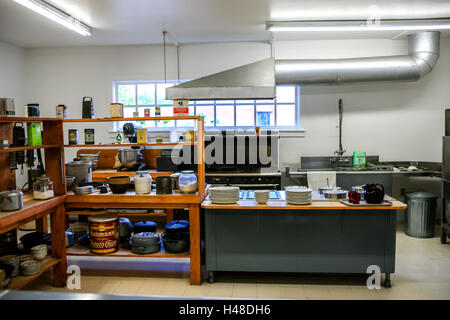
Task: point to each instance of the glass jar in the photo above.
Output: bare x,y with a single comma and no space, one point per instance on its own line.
187,182
142,182
43,189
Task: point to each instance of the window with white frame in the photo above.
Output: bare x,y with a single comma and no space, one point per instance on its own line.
283,112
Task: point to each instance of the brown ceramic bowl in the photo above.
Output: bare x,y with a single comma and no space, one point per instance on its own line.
119,184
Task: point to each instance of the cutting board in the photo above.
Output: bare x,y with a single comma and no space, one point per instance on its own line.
107,156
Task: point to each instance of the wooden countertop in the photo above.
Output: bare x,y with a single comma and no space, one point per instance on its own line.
315,205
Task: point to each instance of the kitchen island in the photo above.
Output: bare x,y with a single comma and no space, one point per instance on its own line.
322,237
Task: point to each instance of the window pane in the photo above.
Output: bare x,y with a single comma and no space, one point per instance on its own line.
127,94
187,123
146,93
269,101
208,113
286,115
265,115
224,116
245,116
286,94
224,102
246,101
161,93
128,112
210,102
166,112
147,124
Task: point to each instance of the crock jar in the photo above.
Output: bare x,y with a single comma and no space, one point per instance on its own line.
43,188
187,182
142,182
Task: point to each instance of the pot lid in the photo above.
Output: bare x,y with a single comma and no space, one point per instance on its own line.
4,194
145,224
79,163
421,195
102,218
177,224
145,238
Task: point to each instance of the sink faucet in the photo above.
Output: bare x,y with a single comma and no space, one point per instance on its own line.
341,151
339,158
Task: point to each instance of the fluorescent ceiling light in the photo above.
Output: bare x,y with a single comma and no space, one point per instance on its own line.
51,12
357,25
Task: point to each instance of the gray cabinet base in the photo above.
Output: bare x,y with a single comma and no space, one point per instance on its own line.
309,241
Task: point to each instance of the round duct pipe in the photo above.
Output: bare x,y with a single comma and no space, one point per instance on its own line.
423,54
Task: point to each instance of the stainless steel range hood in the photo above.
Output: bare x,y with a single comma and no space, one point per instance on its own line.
257,80
251,81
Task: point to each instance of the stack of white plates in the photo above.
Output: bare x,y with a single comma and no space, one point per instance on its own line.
298,195
224,195
13,261
30,267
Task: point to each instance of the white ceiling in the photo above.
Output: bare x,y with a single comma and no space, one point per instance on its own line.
125,22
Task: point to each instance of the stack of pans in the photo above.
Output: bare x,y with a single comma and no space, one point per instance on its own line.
83,190
224,195
335,194
30,267
176,236
13,261
298,195
145,243
321,190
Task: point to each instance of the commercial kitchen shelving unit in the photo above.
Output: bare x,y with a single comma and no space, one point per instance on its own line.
38,210
150,201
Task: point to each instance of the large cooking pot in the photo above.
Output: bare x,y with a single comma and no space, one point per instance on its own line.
90,157
81,170
129,157
11,200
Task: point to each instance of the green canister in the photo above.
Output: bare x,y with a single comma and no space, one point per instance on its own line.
359,159
89,136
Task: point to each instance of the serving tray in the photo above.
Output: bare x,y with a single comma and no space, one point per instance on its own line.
362,203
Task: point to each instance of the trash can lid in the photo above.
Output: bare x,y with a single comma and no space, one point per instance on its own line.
421,195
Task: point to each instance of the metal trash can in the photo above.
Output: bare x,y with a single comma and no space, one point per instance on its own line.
420,217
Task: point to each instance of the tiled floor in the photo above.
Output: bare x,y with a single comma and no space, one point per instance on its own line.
422,272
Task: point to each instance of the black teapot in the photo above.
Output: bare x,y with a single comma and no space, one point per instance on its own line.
373,193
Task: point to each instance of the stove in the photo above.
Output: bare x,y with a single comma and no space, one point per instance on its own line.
247,180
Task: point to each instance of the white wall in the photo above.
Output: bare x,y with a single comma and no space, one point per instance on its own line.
12,74
398,121
12,79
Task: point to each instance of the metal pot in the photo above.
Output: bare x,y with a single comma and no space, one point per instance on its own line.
90,157
129,157
81,170
176,242
11,200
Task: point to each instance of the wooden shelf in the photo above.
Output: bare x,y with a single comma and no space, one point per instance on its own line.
79,250
27,119
16,149
133,199
131,144
100,212
32,209
134,119
19,282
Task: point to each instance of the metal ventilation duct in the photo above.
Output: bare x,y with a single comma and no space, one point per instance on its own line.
423,54
257,80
